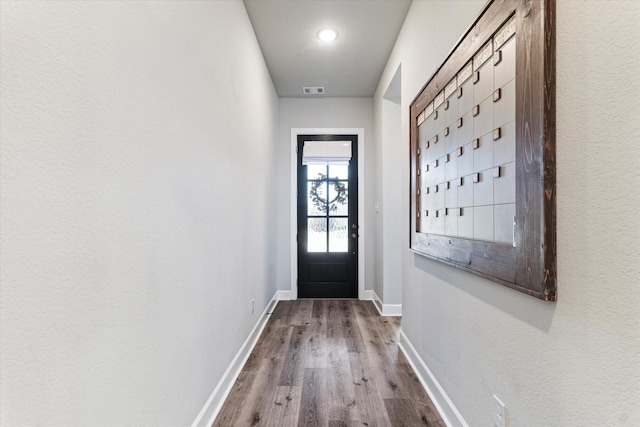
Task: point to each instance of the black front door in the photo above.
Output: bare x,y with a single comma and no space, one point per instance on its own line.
328,224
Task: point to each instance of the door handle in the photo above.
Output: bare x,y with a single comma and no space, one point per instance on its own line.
354,235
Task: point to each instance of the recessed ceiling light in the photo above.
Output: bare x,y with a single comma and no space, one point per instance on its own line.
327,35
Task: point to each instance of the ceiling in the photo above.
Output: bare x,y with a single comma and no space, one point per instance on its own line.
350,66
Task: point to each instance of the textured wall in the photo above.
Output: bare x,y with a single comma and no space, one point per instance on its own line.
320,113
137,171
575,362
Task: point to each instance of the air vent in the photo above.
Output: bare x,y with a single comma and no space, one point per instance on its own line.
313,90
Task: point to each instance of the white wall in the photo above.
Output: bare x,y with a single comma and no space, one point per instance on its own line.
321,113
137,174
391,245
575,362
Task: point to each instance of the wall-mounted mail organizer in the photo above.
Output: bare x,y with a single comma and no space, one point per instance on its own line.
483,151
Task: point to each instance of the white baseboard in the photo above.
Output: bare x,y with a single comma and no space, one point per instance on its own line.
444,405
383,309
372,296
392,309
285,295
210,411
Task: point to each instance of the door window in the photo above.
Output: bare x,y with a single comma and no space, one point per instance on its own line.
327,208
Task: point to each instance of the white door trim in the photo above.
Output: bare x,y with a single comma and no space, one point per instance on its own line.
294,204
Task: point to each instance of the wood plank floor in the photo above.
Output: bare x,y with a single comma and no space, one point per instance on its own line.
328,363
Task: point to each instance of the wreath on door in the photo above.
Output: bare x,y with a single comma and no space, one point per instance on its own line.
320,202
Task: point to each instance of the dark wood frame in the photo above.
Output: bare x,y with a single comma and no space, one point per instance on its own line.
530,266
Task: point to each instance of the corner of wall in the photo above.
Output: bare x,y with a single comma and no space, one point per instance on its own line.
447,410
383,309
212,407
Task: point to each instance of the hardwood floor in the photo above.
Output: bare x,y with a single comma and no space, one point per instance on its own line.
328,363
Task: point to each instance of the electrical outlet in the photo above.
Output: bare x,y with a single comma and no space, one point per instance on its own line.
252,306
499,413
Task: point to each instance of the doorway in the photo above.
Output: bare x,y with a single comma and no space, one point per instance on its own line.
327,216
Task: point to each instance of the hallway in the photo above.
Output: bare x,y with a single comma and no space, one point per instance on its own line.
148,221
328,363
